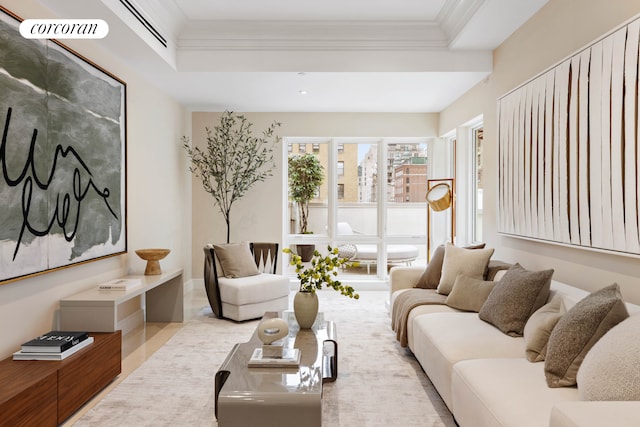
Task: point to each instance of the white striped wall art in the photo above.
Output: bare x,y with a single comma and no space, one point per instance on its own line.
569,149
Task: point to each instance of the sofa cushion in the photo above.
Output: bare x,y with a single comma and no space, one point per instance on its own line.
443,339
504,392
236,260
431,276
610,369
578,330
594,414
457,261
515,298
469,293
539,326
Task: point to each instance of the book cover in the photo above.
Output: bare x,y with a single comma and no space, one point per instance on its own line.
290,359
120,284
54,341
24,355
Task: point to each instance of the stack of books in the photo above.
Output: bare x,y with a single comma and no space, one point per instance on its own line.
54,345
120,284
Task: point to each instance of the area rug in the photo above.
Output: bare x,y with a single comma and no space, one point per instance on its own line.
379,383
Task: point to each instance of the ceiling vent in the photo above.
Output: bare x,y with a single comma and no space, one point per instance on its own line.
145,23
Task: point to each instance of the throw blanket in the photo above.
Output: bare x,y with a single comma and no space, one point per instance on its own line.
405,302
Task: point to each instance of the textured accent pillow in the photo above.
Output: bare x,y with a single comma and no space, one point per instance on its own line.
431,276
515,298
610,371
469,293
236,260
578,330
539,326
462,261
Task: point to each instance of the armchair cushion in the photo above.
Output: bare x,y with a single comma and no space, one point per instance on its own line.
236,260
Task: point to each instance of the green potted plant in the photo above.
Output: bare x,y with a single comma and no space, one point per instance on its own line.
233,160
306,175
321,273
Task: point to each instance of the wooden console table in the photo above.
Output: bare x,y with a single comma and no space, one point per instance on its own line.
45,393
158,299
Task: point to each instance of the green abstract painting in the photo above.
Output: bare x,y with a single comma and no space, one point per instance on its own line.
62,157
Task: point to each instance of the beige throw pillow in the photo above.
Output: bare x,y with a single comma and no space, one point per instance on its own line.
539,326
515,298
469,294
236,260
577,332
610,369
462,261
431,276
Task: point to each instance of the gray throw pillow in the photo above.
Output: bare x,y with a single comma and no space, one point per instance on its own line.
462,261
431,276
539,326
236,260
515,298
469,294
578,330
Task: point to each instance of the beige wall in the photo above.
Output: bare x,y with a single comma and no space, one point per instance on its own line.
559,29
158,202
258,216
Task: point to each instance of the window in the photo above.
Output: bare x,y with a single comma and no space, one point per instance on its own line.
478,183
302,148
367,198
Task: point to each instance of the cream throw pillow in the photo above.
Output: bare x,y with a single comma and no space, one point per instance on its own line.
610,369
539,326
431,276
461,261
578,330
236,260
469,294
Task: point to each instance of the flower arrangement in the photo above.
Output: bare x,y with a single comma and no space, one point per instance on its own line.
322,271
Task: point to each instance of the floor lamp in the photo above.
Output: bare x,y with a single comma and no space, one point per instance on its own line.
440,197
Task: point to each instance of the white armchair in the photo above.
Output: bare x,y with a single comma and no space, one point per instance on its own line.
236,295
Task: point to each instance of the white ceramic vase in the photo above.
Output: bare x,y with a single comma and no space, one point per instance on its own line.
305,308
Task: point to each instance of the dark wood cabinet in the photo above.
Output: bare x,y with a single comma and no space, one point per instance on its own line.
45,393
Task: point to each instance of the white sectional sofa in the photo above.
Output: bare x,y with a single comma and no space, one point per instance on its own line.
483,376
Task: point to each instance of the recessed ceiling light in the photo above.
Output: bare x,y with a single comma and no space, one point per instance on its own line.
302,92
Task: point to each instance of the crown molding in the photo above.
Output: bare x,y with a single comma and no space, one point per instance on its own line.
311,35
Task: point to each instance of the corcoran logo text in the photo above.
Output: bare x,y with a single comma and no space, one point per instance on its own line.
64,28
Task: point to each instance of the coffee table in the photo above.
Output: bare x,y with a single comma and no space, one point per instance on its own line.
278,396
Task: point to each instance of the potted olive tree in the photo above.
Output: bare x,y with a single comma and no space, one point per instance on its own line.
306,174
233,160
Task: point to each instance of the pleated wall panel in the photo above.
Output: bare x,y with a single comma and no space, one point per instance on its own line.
569,149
